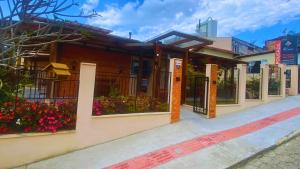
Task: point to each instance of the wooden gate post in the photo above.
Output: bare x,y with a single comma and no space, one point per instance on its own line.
176,80
212,73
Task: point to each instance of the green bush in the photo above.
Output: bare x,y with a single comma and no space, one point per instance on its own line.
124,105
252,88
274,86
12,84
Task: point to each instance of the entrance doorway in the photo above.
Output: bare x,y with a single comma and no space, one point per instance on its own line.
197,93
201,95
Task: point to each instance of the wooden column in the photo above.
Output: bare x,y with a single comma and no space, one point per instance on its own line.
184,72
212,73
156,70
139,76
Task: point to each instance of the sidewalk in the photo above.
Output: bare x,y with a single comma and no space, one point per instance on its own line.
191,143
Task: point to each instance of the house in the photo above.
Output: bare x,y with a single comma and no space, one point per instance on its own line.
267,57
134,68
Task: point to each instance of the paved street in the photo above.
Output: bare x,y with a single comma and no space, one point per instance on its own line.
286,156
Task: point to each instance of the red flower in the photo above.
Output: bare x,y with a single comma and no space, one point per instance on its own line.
4,130
34,106
36,116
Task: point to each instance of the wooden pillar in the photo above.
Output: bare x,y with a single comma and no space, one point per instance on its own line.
212,73
176,80
139,76
156,70
184,72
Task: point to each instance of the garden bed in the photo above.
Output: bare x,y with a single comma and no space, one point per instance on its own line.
125,105
27,116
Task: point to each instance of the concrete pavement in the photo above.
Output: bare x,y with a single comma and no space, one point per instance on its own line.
219,155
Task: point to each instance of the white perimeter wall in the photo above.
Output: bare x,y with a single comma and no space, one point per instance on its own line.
20,149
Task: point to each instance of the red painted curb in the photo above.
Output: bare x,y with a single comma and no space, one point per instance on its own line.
166,154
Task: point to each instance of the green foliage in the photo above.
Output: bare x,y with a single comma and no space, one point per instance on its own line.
274,86
191,72
114,92
13,84
252,88
131,104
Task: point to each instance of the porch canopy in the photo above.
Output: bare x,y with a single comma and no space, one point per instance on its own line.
180,40
175,40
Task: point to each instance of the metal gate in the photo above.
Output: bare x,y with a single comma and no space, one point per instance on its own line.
200,94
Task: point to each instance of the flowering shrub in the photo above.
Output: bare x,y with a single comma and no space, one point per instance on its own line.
124,105
97,108
25,116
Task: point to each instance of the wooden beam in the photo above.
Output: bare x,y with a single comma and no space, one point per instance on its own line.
174,48
194,46
138,44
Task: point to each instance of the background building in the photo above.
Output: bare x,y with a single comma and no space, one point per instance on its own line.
237,46
209,29
287,49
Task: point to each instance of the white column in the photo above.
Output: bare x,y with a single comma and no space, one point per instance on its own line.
264,80
282,80
242,83
293,90
85,98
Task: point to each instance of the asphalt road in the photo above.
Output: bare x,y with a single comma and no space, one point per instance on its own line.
286,156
